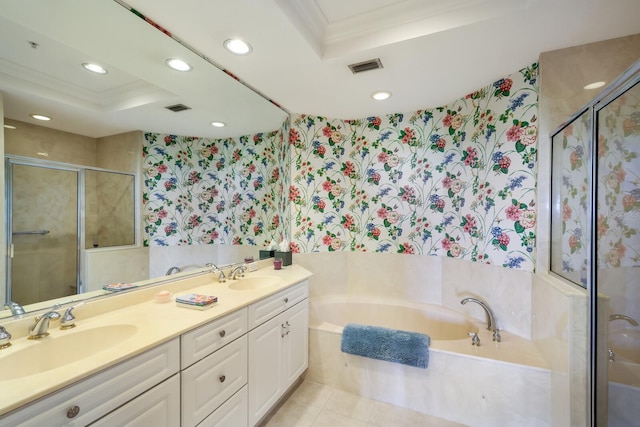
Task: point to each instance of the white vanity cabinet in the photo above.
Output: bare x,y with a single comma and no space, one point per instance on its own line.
278,348
90,399
228,372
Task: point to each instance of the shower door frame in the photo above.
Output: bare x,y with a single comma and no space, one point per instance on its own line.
10,161
629,79
621,84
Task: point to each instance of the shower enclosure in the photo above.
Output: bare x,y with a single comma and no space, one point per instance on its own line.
595,238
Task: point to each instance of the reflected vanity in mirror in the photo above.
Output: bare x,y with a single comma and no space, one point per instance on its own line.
101,126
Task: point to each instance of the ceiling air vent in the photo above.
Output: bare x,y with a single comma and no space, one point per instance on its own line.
177,108
360,67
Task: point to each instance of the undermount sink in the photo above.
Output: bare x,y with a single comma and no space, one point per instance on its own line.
62,349
253,282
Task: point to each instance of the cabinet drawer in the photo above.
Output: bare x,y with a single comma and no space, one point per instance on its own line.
209,382
102,393
269,307
206,339
158,407
232,413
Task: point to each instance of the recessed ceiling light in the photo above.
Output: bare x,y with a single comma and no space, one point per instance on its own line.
9,127
218,124
94,68
381,95
237,46
178,64
594,85
40,117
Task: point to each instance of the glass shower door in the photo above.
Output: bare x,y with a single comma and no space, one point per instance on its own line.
43,228
618,258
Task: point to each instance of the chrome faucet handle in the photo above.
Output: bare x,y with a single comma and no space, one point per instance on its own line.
496,335
612,356
5,338
475,340
68,319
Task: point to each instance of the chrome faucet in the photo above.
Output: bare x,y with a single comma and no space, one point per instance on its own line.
238,271
631,320
491,317
172,270
39,330
16,309
221,278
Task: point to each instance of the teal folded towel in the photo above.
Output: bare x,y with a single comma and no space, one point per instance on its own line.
391,345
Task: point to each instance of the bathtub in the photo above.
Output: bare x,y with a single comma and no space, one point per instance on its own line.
506,383
624,377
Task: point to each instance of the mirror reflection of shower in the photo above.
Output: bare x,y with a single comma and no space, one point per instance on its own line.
54,212
43,239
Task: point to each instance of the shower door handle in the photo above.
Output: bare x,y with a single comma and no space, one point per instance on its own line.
24,233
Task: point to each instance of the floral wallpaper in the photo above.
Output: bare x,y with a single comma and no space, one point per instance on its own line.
618,224
215,191
456,181
570,162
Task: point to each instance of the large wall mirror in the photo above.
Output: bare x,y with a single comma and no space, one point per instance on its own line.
100,123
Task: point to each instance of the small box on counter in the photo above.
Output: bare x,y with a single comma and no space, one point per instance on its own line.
266,254
286,257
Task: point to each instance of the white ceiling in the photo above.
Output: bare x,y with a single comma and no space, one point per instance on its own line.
433,51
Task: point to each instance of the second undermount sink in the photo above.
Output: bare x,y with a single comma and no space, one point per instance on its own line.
253,282
62,349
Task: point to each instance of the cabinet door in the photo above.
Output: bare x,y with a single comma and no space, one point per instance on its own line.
296,342
265,367
158,407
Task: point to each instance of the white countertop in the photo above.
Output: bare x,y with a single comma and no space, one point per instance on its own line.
156,322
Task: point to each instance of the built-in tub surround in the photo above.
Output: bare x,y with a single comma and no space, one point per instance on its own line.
155,323
505,383
426,279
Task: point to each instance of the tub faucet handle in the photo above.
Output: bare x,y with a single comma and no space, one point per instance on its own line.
475,340
496,335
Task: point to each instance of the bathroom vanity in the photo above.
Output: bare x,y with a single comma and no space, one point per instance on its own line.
224,366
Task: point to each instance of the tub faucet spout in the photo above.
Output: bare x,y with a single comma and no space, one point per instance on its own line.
629,319
172,270
491,317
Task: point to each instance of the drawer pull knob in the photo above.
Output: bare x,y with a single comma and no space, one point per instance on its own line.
73,411
286,300
223,333
222,378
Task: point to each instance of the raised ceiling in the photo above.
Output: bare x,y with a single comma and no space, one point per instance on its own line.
433,51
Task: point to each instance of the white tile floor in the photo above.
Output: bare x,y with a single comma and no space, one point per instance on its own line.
316,405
